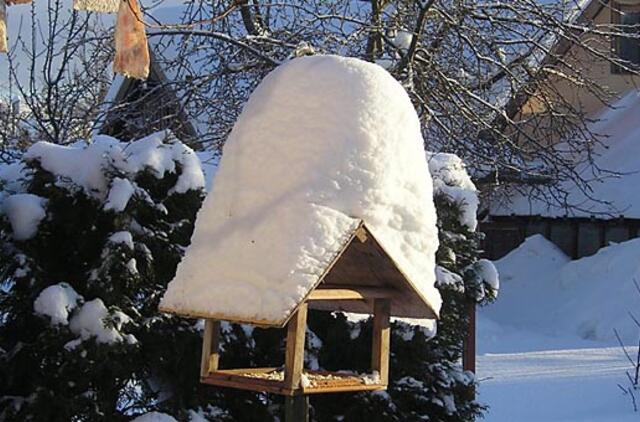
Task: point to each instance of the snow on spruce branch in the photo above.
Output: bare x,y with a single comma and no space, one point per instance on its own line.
84,166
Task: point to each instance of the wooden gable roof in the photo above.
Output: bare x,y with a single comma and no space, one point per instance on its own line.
360,272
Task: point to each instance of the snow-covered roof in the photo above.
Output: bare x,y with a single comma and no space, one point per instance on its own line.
324,144
611,190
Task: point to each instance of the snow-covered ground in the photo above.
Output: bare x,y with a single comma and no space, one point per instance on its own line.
546,348
573,385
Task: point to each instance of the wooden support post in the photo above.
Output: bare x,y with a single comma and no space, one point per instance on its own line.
381,339
296,408
469,346
294,358
210,347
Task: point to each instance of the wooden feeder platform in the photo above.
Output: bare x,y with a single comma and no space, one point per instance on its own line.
293,379
271,380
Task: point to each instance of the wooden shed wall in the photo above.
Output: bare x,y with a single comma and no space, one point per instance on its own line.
577,237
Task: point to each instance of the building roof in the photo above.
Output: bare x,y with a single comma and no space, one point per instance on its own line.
613,180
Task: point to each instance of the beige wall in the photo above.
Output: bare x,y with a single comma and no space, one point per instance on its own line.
599,71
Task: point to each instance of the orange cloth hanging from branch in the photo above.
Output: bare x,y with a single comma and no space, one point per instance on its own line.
132,51
3,26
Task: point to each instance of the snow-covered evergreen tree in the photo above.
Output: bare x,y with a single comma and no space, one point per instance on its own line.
91,234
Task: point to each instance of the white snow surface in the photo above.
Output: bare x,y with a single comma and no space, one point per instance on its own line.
402,39
563,384
119,194
83,163
450,178
89,321
57,301
303,165
154,417
548,339
122,237
610,193
25,211
488,272
590,297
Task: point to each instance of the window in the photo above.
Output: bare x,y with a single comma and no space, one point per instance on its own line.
627,49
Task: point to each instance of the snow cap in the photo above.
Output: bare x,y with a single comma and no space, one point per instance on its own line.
324,144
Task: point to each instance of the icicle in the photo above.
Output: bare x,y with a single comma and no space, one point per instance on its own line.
3,26
132,52
101,6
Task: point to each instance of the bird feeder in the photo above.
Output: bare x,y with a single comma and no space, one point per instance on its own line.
362,278
322,200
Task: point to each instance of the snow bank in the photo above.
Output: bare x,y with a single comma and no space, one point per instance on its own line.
25,211
544,292
304,163
83,164
56,302
450,178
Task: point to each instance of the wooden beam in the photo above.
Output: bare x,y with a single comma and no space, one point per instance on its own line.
294,357
361,234
469,346
210,347
335,292
296,409
381,339
231,379
250,379
343,388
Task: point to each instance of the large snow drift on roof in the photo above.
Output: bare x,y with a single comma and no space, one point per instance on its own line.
323,142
